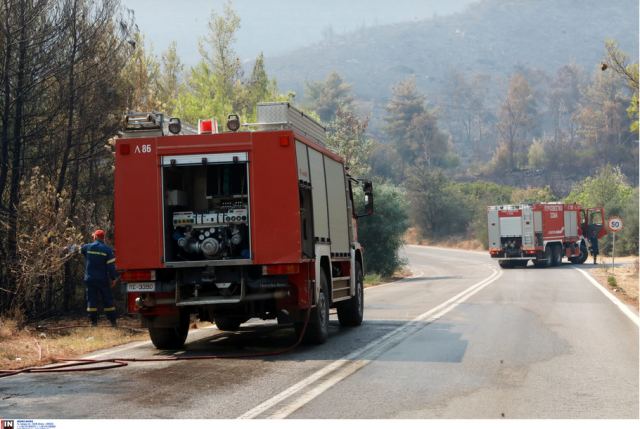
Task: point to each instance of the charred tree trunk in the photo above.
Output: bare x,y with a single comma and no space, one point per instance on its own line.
6,89
16,155
71,105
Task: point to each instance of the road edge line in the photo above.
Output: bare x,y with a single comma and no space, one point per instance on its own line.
621,305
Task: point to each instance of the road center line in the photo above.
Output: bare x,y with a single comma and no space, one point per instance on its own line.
362,356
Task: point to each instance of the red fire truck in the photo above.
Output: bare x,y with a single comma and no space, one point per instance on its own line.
544,233
237,225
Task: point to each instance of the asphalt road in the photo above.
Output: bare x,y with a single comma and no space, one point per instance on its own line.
461,339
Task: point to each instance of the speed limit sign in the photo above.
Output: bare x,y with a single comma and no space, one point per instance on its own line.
615,224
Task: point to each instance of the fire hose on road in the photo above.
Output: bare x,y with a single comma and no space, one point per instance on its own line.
85,365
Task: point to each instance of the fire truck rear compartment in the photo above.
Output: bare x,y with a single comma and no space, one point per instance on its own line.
512,246
206,211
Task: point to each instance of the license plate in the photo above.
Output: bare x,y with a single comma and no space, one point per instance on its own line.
141,287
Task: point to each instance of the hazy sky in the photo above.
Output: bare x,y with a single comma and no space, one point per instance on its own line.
274,26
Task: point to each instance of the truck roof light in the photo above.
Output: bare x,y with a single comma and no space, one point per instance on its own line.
284,141
207,126
175,126
233,122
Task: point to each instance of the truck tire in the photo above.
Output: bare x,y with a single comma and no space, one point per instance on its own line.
505,263
317,330
584,254
546,261
556,255
170,338
350,312
227,323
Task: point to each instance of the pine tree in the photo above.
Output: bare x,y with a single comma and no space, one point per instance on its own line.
170,76
326,97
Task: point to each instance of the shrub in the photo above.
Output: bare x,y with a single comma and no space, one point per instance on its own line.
44,230
381,234
608,188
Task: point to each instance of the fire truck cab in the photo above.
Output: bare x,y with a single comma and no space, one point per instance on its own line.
237,225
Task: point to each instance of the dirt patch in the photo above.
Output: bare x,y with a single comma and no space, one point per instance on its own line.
69,337
413,236
623,280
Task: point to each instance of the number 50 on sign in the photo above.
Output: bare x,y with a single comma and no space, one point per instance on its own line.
615,224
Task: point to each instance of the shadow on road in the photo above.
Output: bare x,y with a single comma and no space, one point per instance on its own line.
434,342
565,265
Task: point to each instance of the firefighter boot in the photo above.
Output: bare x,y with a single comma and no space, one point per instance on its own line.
111,315
93,317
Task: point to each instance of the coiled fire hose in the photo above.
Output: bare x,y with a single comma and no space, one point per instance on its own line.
78,365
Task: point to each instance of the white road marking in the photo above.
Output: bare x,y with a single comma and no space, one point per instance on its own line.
622,306
134,345
361,357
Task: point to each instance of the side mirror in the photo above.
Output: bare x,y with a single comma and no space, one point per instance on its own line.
367,188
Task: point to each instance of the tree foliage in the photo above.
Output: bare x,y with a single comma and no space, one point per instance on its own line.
619,63
610,189
347,136
215,87
328,97
62,93
413,131
45,228
381,234
516,120
437,206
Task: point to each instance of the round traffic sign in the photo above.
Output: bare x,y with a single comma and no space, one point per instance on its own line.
615,223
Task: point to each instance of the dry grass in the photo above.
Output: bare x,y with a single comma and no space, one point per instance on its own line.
413,236
377,279
623,280
67,338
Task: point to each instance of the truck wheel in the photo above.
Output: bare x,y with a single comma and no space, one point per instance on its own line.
547,259
227,323
317,330
170,338
556,255
505,264
350,312
584,254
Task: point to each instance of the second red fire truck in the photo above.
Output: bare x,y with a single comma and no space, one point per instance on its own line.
544,233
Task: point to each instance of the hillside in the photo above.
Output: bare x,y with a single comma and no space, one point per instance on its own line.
490,37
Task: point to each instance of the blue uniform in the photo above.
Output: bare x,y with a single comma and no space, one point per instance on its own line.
99,271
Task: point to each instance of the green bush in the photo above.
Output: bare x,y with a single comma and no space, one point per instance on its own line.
438,208
381,234
477,196
608,188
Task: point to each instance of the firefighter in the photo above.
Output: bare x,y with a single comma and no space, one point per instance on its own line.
595,248
99,277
